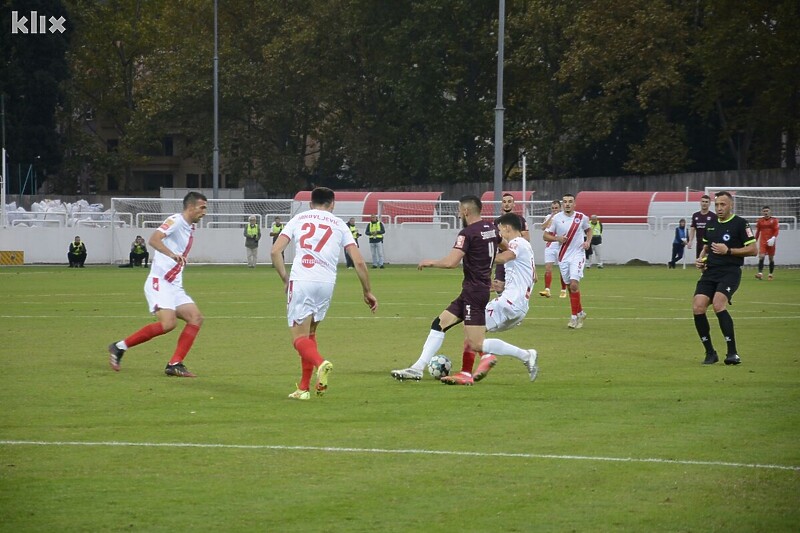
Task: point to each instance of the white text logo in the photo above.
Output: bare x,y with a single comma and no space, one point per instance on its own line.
38,23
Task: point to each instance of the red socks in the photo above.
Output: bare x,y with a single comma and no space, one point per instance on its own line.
467,359
575,302
185,342
548,279
305,379
307,349
145,334
563,285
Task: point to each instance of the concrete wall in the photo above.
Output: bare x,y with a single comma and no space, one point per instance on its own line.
404,245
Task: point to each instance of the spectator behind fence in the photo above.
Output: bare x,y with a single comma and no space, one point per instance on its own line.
139,253
596,243
77,253
252,234
275,230
375,231
678,243
351,224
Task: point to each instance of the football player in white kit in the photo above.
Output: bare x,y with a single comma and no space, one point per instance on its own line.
163,288
509,309
318,237
551,254
571,229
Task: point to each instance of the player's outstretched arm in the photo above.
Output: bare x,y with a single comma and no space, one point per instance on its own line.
451,260
504,257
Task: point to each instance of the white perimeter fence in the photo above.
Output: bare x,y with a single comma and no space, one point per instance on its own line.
414,230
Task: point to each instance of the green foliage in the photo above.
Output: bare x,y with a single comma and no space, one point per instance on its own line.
573,445
358,93
747,57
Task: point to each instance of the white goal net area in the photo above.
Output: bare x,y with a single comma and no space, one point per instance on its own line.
227,213
444,213
151,212
784,202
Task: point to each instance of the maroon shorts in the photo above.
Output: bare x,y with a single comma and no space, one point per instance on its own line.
470,307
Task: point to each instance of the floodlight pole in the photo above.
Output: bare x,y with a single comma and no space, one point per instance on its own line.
498,111
216,107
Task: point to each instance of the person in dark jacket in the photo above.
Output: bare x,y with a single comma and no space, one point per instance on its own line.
77,253
679,243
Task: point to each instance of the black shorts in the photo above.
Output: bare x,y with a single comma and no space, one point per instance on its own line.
470,307
719,279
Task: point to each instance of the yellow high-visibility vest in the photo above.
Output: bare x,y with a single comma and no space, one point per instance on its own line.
374,228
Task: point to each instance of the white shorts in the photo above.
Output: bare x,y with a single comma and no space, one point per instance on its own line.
308,298
572,268
501,314
551,254
161,294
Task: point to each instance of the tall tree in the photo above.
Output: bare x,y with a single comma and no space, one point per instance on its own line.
625,74
109,59
747,54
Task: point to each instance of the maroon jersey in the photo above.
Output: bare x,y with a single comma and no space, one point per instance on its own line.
479,242
699,223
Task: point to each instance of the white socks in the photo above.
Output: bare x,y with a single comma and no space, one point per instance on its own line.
498,347
429,349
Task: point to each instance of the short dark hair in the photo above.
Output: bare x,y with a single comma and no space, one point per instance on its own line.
510,219
568,194
554,202
724,193
192,198
705,197
322,196
508,194
472,199
766,207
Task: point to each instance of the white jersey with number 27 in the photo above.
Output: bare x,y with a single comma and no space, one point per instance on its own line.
318,239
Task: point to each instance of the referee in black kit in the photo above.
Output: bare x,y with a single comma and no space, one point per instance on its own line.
727,241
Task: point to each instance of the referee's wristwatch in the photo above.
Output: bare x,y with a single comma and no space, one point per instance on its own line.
729,252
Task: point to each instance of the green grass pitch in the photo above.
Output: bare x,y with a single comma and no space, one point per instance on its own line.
624,430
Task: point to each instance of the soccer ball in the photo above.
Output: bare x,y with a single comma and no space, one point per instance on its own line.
439,366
